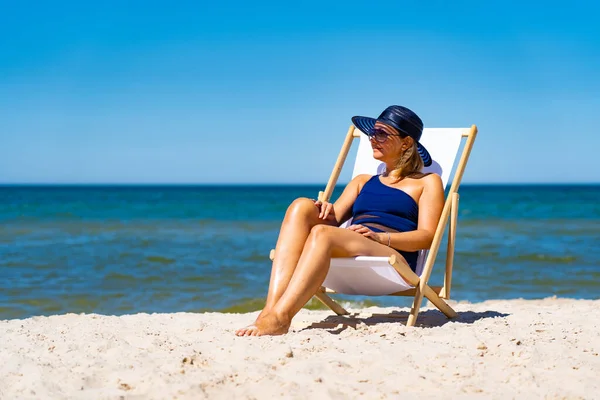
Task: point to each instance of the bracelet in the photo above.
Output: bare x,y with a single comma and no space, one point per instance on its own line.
389,239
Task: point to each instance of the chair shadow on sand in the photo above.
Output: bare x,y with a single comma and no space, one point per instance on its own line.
427,319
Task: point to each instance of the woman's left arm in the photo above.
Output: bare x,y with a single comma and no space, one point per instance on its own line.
431,204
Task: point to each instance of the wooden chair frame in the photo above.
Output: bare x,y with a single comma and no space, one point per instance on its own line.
435,294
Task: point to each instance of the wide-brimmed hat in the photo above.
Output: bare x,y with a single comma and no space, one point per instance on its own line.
400,118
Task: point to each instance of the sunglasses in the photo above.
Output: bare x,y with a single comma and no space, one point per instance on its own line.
380,136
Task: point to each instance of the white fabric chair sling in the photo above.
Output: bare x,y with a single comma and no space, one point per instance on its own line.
378,276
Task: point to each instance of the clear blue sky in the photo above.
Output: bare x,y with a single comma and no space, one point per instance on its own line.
254,92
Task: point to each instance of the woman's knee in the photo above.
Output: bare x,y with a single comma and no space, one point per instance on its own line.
302,207
321,235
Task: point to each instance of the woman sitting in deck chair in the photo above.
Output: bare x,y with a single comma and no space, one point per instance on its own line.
395,213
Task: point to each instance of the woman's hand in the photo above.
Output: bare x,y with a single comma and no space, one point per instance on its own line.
366,232
326,210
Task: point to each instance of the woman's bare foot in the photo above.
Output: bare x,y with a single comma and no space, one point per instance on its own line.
272,324
252,330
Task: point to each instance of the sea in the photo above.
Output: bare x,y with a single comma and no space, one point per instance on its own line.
164,249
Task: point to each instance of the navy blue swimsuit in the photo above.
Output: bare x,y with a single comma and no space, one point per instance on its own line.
383,208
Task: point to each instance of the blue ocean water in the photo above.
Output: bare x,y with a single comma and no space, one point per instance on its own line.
125,249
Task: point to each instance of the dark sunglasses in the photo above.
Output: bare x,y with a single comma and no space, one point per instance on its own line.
380,136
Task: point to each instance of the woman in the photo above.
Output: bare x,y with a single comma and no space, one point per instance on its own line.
393,213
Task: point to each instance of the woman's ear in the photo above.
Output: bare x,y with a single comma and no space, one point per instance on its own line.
405,144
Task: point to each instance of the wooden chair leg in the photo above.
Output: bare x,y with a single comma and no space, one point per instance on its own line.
329,302
434,298
414,311
439,302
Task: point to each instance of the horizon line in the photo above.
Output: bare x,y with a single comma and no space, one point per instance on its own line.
98,184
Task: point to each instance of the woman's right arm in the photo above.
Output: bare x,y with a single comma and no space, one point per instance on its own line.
343,206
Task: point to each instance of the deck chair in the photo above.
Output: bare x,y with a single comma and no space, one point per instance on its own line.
385,276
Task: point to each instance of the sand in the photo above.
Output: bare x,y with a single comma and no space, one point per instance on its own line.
496,349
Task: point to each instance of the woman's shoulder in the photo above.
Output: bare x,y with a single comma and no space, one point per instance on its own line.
360,180
363,178
427,182
432,181
431,177
428,178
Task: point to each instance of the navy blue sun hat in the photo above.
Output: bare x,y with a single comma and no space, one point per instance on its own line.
400,118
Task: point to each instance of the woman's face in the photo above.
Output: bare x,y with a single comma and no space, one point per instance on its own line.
387,144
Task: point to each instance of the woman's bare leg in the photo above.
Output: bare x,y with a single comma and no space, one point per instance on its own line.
323,243
301,216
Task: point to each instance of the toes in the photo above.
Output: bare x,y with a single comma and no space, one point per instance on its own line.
247,331
241,331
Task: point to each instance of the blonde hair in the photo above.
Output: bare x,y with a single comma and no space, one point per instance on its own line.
409,163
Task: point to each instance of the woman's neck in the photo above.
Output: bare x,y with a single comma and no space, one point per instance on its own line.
388,169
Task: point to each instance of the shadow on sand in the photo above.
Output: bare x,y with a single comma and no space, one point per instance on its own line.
426,319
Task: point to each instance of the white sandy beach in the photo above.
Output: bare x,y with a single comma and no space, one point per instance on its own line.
497,349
